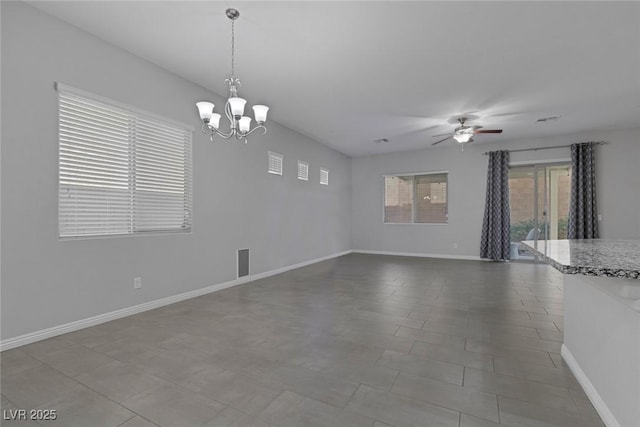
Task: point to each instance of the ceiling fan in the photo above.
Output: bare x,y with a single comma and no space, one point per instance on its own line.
464,133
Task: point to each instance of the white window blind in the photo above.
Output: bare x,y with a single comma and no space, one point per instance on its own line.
275,163
120,171
324,176
303,170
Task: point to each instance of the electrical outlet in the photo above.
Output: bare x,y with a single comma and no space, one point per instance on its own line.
137,283
455,246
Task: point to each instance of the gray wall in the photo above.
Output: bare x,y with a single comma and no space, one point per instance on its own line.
237,204
618,195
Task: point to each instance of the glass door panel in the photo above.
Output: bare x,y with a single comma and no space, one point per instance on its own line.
539,200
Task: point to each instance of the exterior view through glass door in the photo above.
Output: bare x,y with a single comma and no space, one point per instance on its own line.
539,199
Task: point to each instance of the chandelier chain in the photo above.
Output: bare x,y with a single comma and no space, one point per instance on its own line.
233,49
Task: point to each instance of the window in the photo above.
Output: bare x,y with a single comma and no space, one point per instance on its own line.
417,198
275,163
121,172
303,170
324,176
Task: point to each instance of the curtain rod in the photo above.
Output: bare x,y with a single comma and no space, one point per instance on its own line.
486,153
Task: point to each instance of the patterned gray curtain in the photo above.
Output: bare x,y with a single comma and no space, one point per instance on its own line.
495,242
583,212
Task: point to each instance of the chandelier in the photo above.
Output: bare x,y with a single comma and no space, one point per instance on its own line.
239,124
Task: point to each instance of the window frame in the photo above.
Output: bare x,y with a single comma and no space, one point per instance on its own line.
146,117
413,204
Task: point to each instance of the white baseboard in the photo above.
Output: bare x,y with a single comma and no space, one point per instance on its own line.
598,403
421,255
128,311
298,265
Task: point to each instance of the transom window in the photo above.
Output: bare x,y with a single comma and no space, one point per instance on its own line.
303,170
324,176
275,163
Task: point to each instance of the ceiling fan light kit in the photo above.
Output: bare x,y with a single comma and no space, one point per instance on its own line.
463,137
464,134
239,124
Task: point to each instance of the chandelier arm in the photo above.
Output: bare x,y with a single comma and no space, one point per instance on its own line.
222,134
264,130
228,113
208,129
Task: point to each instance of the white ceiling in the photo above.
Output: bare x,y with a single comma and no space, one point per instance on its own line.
347,73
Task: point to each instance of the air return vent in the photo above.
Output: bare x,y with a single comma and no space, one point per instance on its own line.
243,262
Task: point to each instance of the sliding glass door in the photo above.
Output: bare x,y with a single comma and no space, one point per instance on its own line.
539,199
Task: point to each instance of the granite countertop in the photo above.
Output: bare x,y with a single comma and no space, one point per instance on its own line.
591,257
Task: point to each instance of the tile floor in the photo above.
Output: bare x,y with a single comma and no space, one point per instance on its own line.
361,340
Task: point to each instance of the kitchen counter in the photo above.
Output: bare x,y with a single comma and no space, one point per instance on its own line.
591,257
601,320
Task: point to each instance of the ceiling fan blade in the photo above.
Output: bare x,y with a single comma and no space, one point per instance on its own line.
488,131
444,139
441,134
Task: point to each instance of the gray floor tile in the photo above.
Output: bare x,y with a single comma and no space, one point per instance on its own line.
324,333
389,342
585,407
518,413
559,377
454,355
5,403
15,361
12,416
316,385
454,397
549,335
237,390
230,417
33,387
138,421
83,406
526,343
432,316
46,347
522,389
511,353
421,366
170,405
400,411
119,381
393,320
376,376
292,409
75,359
467,420
431,337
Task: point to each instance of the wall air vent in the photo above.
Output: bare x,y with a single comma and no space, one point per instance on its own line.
243,262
